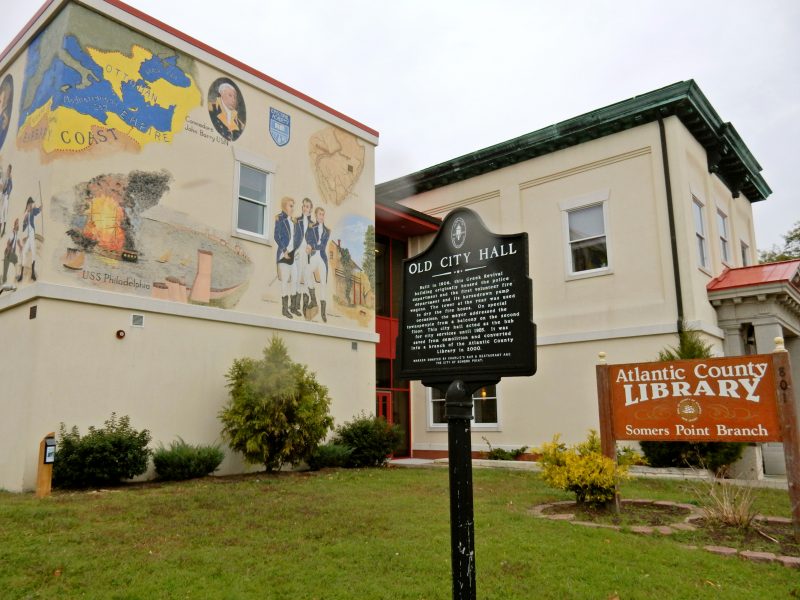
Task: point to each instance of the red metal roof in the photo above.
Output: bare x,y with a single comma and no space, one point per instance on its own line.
206,48
781,272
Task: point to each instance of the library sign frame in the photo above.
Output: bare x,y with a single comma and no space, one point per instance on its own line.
732,399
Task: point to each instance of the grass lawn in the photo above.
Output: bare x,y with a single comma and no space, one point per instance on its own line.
360,534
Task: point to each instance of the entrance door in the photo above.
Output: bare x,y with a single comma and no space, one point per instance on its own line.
383,405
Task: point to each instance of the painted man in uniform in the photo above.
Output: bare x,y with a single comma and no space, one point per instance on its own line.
10,258
287,241
29,238
300,267
317,239
224,112
6,192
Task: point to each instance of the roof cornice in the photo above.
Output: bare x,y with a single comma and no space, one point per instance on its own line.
728,156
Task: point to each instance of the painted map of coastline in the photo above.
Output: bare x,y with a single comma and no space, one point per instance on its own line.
80,98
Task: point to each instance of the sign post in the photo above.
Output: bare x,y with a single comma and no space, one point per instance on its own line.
44,471
465,323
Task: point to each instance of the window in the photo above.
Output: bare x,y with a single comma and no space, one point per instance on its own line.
700,233
745,253
484,408
722,227
251,213
587,239
253,179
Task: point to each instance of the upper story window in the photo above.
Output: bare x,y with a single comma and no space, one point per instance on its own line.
585,224
252,186
722,229
745,249
484,408
700,233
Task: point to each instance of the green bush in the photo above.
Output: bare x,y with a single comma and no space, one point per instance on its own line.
185,461
371,438
501,453
277,412
715,456
329,455
582,469
103,457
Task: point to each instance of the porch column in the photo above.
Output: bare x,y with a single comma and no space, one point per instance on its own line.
733,345
765,334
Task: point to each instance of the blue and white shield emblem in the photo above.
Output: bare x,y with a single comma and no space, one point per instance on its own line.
279,126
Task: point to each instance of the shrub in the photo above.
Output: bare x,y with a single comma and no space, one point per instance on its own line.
185,461
716,456
626,455
371,438
726,503
581,469
329,455
502,454
103,457
277,412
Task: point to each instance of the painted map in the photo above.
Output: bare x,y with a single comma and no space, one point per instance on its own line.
81,98
337,160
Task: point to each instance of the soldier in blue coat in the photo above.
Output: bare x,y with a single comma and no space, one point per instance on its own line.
317,238
287,240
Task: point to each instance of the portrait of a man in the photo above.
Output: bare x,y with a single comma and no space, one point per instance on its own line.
226,108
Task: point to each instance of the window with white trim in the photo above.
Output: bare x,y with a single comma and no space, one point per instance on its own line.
252,202
722,229
484,408
745,250
700,233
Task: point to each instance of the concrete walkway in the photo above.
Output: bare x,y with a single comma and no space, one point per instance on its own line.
772,482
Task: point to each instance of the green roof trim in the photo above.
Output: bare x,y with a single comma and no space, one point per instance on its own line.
728,156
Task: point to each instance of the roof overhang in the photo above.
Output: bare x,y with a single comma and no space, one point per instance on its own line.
402,222
728,156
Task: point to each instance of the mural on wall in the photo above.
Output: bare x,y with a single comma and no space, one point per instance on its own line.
6,102
226,108
318,266
79,98
24,238
337,160
120,238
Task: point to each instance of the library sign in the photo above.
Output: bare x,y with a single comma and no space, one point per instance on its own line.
467,305
716,399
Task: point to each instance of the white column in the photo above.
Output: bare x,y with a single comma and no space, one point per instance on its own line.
765,336
732,344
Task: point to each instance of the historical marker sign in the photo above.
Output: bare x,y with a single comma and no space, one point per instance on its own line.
467,305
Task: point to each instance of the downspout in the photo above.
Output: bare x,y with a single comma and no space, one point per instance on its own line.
676,272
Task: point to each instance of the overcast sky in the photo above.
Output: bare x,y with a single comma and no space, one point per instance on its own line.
439,79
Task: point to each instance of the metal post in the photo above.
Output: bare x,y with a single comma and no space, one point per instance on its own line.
458,411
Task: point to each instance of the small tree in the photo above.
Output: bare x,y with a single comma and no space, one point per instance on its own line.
789,250
712,455
277,412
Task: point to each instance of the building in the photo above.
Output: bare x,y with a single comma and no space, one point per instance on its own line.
146,178
638,214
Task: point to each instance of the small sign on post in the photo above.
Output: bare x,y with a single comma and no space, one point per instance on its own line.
44,473
466,321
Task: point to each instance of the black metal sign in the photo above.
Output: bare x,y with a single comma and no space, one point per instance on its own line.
467,306
465,323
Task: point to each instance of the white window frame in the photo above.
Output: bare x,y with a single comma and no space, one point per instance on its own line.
744,251
474,426
724,236
701,237
569,205
269,168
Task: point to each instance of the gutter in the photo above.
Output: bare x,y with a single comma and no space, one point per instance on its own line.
673,240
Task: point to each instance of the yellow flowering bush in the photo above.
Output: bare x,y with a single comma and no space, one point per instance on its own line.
581,469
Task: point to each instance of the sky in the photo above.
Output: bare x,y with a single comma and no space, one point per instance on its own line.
439,79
